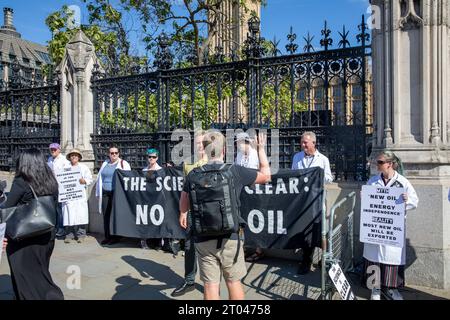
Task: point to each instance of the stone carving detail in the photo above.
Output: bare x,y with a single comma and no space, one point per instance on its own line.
80,50
410,19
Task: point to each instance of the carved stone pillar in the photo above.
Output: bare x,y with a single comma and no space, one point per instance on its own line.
411,76
76,96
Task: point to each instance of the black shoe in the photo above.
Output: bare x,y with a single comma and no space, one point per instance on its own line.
60,233
184,288
114,241
105,242
167,248
304,268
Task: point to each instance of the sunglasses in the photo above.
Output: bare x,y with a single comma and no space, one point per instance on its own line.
381,162
152,157
53,150
112,153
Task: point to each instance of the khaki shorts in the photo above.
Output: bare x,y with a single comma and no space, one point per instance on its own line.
213,262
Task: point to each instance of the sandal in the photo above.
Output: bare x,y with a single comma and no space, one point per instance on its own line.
255,257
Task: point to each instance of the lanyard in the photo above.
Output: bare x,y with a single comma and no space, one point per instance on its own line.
310,163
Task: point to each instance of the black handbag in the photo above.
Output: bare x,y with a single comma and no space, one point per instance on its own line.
31,219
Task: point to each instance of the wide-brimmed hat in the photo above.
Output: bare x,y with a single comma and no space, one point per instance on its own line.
74,151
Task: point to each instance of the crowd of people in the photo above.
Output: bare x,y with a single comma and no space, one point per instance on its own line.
212,254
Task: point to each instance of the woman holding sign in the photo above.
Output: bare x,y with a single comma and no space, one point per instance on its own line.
387,261
76,212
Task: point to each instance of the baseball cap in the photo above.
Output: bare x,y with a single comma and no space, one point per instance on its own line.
243,136
54,146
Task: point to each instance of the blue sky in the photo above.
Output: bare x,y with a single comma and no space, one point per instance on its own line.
276,18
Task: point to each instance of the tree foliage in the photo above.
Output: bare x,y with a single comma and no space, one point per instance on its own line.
105,30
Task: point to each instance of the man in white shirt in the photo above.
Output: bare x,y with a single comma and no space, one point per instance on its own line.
310,157
57,162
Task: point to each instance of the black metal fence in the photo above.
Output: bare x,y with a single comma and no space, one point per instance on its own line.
29,117
324,92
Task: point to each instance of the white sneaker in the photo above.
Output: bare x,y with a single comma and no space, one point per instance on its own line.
376,294
392,294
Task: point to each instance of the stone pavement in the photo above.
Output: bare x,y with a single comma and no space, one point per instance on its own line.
126,272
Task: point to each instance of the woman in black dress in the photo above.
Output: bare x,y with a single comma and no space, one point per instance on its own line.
29,259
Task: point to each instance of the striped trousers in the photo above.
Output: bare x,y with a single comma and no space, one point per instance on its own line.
390,276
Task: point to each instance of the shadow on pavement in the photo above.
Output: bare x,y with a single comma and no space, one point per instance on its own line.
279,281
130,288
163,275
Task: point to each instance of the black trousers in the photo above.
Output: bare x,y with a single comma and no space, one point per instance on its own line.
107,202
74,230
29,263
311,241
190,255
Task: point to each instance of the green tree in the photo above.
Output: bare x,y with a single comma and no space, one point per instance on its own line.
105,31
189,20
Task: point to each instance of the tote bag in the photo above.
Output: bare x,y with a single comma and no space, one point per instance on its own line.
31,219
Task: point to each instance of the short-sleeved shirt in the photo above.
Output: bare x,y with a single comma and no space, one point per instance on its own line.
107,176
189,167
242,177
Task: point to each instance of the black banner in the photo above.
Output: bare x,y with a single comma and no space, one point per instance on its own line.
145,204
281,214
285,212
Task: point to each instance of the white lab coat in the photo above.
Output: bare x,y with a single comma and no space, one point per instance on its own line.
157,167
383,253
122,165
58,164
318,160
76,212
250,161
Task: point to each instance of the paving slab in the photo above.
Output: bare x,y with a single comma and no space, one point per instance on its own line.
126,272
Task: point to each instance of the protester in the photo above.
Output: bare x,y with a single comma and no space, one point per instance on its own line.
76,212
220,255
153,166
310,157
57,162
190,254
247,156
29,258
105,190
390,260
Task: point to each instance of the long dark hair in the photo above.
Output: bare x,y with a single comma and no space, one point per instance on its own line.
32,167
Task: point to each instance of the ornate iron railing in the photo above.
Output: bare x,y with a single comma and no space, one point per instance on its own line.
324,91
28,118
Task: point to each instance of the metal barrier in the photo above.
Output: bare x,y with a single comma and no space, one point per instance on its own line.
337,243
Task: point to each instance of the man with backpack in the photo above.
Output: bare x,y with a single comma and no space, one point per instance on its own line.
211,192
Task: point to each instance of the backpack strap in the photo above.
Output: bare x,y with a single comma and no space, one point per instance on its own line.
224,165
228,188
238,248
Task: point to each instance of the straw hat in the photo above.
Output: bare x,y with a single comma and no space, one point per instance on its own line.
74,151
